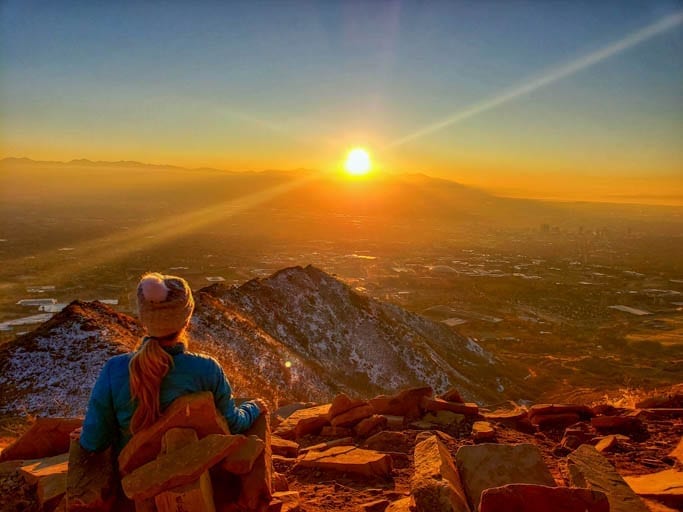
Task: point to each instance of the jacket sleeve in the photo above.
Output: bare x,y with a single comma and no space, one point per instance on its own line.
239,418
100,427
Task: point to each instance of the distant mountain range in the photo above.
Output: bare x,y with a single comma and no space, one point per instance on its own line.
299,334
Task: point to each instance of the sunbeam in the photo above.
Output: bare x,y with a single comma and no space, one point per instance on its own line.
105,250
548,78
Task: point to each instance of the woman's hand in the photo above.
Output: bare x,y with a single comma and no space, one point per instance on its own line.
261,404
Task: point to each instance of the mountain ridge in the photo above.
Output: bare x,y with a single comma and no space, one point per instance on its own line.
299,334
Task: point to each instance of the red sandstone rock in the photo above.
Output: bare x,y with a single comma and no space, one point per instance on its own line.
349,459
436,404
181,467
279,482
587,468
483,431
329,431
284,447
371,425
388,441
484,466
353,416
49,475
45,438
343,403
436,485
508,414
91,480
346,441
664,486
196,411
303,422
617,424
554,420
452,395
242,460
540,498
405,403
583,411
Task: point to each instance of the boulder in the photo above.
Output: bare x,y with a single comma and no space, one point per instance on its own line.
395,422
349,459
279,482
608,443
181,467
583,411
588,468
353,416
388,441
321,447
196,411
49,477
195,496
405,403
664,486
443,418
452,395
343,403
303,422
290,500
484,466
541,498
436,404
241,461
554,420
329,431
668,401
92,481
483,431
617,424
508,414
46,437
435,485
370,425
284,447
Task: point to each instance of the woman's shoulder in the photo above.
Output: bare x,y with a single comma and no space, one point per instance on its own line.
200,360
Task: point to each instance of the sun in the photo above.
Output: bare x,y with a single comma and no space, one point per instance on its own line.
358,162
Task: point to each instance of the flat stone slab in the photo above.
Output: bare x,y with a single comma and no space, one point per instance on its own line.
303,421
436,485
489,465
181,467
540,498
436,404
196,411
284,447
349,459
664,486
588,468
49,475
353,416
483,431
406,403
46,437
343,403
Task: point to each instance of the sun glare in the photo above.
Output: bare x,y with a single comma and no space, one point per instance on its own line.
357,162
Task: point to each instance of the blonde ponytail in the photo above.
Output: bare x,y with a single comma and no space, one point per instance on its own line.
147,369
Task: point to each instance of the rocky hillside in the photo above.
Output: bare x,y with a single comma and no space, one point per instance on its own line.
51,370
299,334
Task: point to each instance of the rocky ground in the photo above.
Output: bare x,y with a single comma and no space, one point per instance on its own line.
393,454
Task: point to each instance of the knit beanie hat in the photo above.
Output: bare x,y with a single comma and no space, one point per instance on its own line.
165,303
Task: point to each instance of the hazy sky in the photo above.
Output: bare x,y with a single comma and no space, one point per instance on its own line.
561,95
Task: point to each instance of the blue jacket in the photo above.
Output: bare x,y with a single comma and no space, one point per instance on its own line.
111,407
